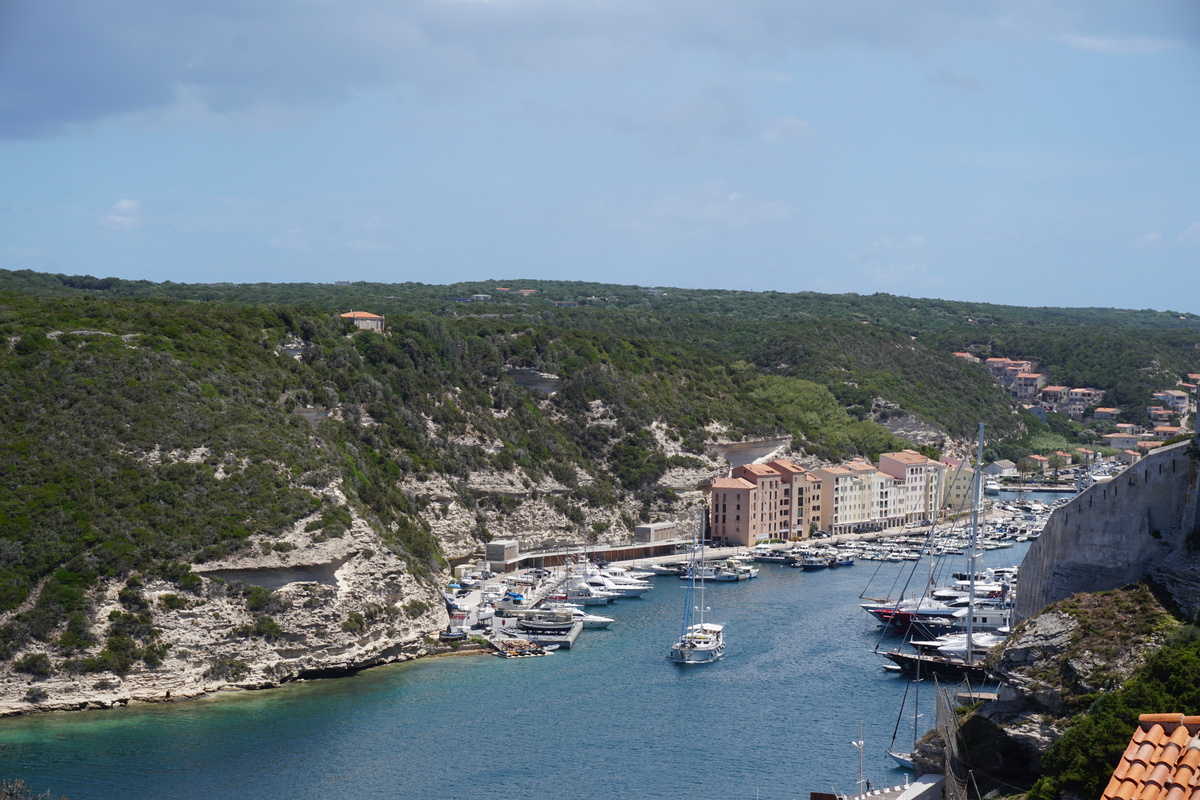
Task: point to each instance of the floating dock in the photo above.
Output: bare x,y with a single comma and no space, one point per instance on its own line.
563,640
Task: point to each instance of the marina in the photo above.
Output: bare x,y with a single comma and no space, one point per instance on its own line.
798,678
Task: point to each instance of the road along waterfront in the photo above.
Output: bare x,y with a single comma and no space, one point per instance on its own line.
774,718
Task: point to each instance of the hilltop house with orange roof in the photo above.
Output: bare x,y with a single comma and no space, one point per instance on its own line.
1120,441
1054,394
1041,461
365,321
968,357
1106,413
1027,384
1177,400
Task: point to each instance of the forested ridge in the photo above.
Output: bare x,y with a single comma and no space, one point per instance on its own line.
149,427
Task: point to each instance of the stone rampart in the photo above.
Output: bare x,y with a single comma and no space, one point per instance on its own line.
1144,522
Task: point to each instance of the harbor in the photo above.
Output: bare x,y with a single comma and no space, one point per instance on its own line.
773,718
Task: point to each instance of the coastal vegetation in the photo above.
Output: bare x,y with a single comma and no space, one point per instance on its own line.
151,430
1081,762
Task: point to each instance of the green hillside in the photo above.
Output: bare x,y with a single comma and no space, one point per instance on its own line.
148,426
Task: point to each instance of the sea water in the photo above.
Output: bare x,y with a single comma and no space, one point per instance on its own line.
777,717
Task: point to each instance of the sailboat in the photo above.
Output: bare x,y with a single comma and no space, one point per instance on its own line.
699,642
902,757
948,666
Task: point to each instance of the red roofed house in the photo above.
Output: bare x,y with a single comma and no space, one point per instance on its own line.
1121,441
1175,399
1159,414
1106,413
1164,432
968,357
364,321
1162,761
1041,461
1028,384
1054,394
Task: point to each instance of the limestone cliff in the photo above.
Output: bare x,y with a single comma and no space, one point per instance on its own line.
310,608
1143,523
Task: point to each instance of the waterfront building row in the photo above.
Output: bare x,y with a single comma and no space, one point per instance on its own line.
782,500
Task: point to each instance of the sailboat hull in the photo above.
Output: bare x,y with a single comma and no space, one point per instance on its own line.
682,654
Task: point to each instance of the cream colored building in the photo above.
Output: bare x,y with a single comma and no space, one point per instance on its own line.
917,476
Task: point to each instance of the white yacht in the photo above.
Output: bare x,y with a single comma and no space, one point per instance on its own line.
590,621
699,642
580,591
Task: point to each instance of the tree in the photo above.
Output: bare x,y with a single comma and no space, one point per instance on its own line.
1057,462
1026,467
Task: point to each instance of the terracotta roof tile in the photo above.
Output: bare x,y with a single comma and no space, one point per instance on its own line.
1122,791
1162,761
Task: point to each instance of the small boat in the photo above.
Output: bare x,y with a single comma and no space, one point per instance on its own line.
453,634
546,621
590,621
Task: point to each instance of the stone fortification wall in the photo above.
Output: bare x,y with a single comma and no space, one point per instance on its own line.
1115,533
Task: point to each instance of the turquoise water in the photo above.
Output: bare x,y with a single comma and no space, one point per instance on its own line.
609,719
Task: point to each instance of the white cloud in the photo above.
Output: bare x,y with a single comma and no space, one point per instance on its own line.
787,128
714,205
1190,237
1119,45
892,276
946,76
887,245
367,246
1149,241
237,63
291,239
124,216
24,252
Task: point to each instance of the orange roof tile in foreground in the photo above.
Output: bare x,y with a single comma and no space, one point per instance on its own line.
732,483
1162,761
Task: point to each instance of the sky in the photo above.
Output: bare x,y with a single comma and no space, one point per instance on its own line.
1030,152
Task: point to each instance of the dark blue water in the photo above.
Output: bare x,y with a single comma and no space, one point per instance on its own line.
609,719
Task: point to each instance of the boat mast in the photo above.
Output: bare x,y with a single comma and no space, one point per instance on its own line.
976,498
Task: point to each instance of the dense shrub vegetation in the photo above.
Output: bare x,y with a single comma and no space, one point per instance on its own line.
148,427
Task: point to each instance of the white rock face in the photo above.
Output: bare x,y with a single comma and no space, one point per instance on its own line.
340,605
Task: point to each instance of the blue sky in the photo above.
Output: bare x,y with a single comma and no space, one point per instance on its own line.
1031,152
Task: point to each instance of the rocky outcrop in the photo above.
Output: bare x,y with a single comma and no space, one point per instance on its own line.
320,608
1055,663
